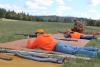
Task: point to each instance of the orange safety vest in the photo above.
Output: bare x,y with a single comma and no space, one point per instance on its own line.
75,35
43,41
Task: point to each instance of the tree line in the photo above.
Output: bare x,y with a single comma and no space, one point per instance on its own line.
91,22
23,16
13,15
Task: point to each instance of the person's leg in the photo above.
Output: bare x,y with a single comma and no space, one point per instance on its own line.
65,48
67,35
87,37
39,58
86,52
90,48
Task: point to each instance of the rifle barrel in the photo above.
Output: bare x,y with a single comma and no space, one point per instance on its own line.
30,35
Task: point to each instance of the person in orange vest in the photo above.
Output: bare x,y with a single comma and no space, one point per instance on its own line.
72,34
47,42
44,41
76,35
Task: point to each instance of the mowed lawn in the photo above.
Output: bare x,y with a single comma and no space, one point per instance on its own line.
8,29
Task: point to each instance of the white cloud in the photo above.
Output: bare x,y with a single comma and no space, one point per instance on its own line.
42,2
39,7
60,10
94,2
60,2
34,6
11,7
43,7
92,15
61,7
38,4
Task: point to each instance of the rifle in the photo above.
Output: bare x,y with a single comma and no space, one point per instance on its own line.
30,35
64,39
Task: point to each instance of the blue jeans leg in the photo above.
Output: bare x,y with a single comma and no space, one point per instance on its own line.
86,37
86,52
65,48
36,57
90,48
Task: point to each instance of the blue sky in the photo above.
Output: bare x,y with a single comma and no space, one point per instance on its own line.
77,8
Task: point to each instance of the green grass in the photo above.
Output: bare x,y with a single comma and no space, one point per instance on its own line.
8,29
82,63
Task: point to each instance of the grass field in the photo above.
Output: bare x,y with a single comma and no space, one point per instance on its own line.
8,29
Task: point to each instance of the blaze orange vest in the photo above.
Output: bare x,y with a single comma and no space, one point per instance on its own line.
75,35
43,41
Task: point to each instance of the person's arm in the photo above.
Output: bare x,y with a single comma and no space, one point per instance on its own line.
67,35
31,44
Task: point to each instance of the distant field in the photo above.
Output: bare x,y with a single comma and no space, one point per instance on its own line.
8,29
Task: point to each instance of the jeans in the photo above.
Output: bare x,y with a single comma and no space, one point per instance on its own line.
85,51
87,37
33,56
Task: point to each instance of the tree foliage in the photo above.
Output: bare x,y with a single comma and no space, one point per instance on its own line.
13,15
91,22
2,13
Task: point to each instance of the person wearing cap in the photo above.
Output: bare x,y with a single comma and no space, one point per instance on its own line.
47,42
76,35
44,41
72,34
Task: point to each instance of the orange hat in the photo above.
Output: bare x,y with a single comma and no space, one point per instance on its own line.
40,30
